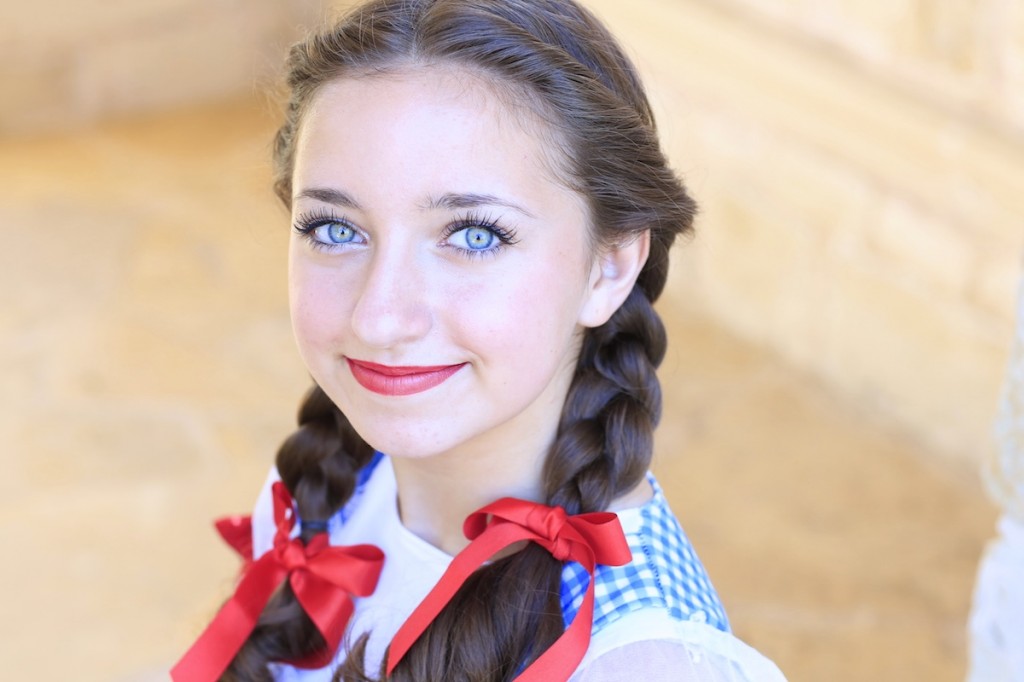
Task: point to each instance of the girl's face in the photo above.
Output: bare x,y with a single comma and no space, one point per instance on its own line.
440,276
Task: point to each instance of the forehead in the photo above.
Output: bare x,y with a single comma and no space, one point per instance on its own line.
441,121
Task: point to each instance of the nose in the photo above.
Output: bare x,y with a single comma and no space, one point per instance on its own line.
392,307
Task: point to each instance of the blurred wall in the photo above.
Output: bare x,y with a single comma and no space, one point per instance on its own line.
67,63
858,162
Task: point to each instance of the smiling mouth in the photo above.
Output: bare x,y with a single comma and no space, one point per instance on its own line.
392,380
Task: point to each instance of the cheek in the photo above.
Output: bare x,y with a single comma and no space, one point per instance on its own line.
529,312
316,313
307,317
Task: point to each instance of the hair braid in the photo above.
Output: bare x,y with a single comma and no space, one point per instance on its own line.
318,464
606,435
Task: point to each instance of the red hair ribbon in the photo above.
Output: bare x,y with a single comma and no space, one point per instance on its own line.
322,577
589,539
236,531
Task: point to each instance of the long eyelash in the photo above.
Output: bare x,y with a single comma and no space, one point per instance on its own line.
506,236
305,223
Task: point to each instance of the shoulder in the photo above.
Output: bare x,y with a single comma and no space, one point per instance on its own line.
651,643
659,615
664,573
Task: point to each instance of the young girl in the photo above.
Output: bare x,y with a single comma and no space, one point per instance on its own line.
482,220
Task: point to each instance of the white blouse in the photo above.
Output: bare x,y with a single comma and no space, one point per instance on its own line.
647,642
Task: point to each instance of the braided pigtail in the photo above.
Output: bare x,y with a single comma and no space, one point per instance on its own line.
318,464
502,618
606,435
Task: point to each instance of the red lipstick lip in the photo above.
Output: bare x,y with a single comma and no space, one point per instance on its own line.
400,380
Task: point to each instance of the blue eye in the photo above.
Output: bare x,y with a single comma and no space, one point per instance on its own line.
477,238
327,232
477,235
335,233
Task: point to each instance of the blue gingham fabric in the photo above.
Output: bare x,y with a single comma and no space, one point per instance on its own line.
665,573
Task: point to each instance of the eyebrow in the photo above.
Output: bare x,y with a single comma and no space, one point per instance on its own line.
471,200
329,196
450,200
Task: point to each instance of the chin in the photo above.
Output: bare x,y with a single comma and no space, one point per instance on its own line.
404,442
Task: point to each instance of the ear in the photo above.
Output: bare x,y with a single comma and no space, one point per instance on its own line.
612,277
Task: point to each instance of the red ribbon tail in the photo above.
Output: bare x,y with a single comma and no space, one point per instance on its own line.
560,660
211,654
486,545
604,543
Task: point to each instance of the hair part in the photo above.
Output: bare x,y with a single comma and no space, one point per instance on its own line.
557,60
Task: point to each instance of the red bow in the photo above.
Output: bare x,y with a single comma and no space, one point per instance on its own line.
589,539
322,578
236,531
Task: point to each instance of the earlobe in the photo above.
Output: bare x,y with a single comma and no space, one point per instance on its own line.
612,277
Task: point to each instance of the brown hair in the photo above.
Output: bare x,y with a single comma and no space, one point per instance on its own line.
578,80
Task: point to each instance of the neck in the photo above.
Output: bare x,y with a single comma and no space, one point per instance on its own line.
436,494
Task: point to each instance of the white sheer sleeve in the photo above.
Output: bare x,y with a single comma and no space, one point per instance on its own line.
668,661
650,645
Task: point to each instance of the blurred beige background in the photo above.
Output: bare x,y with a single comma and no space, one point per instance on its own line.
839,327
